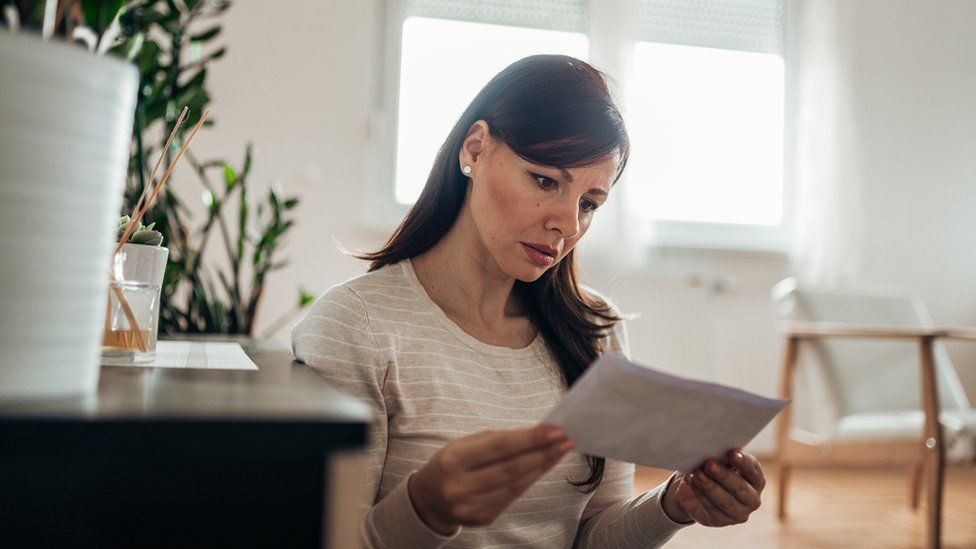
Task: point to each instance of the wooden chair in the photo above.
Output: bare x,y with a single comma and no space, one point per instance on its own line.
882,377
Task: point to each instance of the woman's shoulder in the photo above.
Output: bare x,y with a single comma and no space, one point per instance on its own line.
616,337
360,295
600,298
343,315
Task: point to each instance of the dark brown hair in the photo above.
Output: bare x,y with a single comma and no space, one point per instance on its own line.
552,110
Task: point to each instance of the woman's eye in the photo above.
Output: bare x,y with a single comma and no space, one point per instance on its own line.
545,183
588,205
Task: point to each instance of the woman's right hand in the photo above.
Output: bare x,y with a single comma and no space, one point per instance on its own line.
471,480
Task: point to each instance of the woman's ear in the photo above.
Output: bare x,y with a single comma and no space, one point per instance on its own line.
474,145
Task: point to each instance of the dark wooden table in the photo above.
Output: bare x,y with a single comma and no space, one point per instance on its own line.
167,457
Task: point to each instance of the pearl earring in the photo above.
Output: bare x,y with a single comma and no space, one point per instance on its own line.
466,170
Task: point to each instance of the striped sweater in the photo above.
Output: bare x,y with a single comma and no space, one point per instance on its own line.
380,337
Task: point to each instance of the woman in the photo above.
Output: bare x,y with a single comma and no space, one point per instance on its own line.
471,324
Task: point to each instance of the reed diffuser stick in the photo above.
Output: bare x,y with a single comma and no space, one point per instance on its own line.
162,182
131,318
159,161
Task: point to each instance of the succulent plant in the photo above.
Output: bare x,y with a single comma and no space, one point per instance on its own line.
141,234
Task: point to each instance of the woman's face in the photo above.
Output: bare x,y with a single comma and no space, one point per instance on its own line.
529,216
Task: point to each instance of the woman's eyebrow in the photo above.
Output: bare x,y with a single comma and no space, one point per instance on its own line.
569,178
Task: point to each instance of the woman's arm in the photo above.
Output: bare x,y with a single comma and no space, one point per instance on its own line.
337,341
613,518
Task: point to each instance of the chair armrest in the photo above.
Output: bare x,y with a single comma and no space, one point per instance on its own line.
957,332
820,330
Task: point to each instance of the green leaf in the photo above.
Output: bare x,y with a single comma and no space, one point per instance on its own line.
216,55
242,224
304,298
195,98
129,49
148,237
147,16
230,177
99,15
248,154
148,56
196,81
205,35
273,200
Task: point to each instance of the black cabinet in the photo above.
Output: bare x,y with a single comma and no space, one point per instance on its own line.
177,458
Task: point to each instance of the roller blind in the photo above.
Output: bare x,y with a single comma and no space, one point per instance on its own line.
561,15
747,25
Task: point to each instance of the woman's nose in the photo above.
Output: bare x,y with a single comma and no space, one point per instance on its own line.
564,218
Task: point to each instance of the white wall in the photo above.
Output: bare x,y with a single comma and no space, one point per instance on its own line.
297,81
915,95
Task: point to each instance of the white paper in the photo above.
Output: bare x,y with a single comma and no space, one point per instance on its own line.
207,355
628,412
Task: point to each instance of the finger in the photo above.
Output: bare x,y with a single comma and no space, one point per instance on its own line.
485,506
721,498
750,468
734,484
514,469
490,446
694,503
713,515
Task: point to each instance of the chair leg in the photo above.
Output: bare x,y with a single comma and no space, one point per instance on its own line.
783,426
915,486
935,447
783,484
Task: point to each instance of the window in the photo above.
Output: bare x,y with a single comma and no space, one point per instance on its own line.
707,132
702,82
439,76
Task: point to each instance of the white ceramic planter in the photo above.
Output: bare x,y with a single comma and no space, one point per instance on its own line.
65,126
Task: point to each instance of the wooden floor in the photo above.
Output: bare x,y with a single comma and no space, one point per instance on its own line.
856,507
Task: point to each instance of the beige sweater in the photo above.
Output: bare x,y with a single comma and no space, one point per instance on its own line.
380,337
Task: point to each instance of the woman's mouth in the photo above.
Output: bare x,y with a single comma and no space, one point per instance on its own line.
539,257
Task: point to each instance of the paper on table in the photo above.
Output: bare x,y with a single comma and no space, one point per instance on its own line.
210,355
631,413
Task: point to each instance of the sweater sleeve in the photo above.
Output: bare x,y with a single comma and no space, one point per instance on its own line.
337,341
613,517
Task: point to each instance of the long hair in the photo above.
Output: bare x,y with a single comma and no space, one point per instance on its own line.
552,110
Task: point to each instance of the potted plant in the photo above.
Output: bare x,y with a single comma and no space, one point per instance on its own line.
174,45
65,123
137,271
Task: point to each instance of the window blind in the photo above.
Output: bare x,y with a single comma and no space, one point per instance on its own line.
561,15
747,25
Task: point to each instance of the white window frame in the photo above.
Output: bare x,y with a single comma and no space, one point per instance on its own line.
612,53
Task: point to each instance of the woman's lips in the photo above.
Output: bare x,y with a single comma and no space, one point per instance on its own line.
539,258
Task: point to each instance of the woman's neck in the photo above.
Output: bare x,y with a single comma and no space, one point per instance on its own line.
461,277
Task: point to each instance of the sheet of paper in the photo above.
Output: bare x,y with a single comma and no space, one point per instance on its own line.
625,411
209,355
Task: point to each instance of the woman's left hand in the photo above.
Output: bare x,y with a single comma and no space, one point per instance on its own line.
717,494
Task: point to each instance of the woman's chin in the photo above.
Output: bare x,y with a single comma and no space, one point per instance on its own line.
530,272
